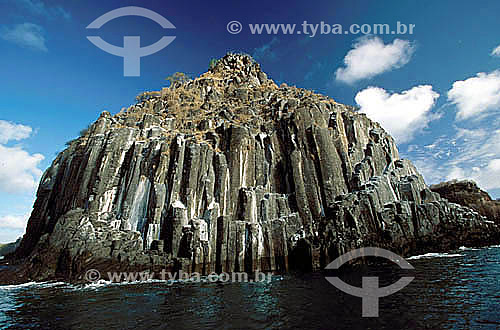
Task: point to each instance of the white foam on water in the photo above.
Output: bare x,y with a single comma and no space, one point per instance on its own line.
93,286
44,285
464,248
435,255
17,286
103,284
35,285
82,287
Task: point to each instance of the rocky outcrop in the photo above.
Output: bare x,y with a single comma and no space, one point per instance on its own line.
467,193
9,247
229,172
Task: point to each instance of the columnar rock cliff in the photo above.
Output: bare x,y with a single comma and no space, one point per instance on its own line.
230,172
467,193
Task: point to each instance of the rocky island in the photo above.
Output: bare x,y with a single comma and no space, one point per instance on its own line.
231,172
467,193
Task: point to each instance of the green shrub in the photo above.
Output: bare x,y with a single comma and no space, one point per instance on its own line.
212,64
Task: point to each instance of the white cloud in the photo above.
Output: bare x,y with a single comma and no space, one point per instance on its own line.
19,175
477,145
476,96
19,170
469,154
26,35
402,115
486,177
10,131
496,51
10,235
37,7
13,221
371,57
478,157
429,170
266,51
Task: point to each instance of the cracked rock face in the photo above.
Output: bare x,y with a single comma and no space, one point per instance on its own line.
229,172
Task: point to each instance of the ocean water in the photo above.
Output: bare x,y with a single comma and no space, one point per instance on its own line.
455,290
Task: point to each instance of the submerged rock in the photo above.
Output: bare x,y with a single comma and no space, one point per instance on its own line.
229,172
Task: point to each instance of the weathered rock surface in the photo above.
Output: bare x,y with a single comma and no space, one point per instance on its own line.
467,193
229,172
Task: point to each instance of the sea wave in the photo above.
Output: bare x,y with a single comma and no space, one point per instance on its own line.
464,248
434,255
102,284
73,287
94,286
37,285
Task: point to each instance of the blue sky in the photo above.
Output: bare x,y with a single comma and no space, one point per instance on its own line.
436,90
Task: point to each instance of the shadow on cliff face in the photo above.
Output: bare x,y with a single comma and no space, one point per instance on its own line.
301,257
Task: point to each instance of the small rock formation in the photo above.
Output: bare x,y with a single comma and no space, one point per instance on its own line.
5,249
230,172
467,193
